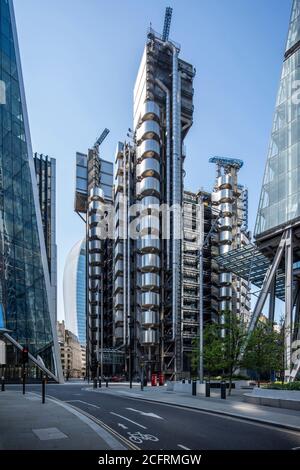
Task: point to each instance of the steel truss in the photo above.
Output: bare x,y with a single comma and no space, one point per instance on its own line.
292,300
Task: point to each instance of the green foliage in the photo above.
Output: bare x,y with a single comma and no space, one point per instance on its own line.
212,350
284,386
233,344
221,355
265,350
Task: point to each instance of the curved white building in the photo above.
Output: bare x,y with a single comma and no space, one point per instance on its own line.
74,288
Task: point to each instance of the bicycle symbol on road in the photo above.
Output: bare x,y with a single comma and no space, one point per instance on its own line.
138,437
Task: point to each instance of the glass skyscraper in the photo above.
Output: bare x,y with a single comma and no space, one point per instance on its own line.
24,275
280,195
75,291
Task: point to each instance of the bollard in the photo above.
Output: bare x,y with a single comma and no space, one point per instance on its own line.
100,383
183,381
44,389
95,383
207,389
194,388
24,382
223,390
106,383
2,384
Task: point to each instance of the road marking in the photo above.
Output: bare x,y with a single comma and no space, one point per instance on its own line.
151,415
275,426
122,426
81,401
183,447
127,419
103,431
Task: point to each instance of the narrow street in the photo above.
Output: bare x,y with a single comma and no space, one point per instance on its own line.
146,425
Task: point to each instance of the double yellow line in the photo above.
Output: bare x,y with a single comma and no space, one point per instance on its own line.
107,428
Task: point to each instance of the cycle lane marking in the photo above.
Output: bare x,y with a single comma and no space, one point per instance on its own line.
127,419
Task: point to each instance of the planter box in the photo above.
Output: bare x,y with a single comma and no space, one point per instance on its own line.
277,398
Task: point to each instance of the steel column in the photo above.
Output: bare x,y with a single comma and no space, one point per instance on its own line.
272,301
269,277
288,299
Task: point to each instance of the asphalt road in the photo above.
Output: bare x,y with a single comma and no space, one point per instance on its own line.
167,427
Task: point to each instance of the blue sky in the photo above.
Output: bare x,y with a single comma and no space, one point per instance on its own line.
80,59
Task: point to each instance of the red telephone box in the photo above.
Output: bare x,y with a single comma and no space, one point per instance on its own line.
154,380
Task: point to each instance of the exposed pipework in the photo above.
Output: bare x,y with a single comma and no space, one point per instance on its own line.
148,189
124,250
96,199
176,187
168,155
176,181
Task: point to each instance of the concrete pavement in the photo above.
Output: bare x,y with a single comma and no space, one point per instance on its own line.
27,424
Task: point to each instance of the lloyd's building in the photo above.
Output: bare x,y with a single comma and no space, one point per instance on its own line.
27,311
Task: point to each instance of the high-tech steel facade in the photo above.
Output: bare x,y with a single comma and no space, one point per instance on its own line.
148,270
25,291
93,201
230,202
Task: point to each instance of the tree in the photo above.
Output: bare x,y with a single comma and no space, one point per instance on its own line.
234,341
213,357
264,351
212,350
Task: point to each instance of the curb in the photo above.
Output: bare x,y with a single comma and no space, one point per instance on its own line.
106,436
217,412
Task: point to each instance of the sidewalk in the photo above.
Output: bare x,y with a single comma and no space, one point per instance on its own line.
27,424
233,406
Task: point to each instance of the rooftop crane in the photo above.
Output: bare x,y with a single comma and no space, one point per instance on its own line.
102,137
167,24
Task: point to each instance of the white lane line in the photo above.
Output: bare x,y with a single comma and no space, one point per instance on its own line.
183,447
110,440
122,426
81,401
127,419
151,415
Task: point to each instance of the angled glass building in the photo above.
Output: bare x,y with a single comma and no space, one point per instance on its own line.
75,291
280,196
25,296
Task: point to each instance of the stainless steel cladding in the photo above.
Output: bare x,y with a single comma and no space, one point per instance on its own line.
150,111
148,188
150,318
148,167
95,258
149,245
148,130
149,148
150,262
149,337
150,281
